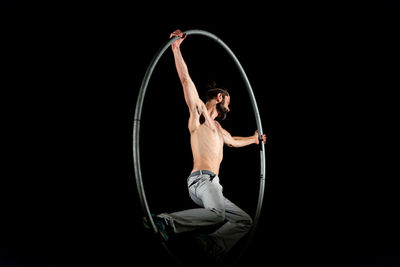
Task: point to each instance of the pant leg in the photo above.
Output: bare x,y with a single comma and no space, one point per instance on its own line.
237,225
207,193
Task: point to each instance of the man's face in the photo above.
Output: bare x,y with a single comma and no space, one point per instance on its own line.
223,107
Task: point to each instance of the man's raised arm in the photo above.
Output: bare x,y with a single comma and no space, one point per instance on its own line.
189,89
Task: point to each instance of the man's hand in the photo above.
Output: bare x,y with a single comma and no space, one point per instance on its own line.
263,137
178,42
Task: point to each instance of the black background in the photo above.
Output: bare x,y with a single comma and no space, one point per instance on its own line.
68,187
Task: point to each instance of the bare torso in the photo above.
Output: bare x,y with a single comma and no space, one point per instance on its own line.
207,144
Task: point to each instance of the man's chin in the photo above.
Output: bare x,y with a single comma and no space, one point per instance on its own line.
221,117
222,111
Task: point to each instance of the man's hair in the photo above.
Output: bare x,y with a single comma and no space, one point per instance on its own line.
214,91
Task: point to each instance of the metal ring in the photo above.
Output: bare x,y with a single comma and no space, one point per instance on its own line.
136,130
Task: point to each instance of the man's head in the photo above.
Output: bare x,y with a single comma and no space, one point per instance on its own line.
222,98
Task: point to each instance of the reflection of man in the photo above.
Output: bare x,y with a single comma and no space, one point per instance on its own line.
207,138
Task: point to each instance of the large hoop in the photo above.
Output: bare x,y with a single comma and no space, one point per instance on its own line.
136,128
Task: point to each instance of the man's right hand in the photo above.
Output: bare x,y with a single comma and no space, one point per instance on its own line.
178,42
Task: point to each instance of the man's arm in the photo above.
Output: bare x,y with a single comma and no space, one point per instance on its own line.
189,89
237,141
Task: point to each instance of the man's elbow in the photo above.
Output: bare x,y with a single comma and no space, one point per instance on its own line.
230,144
186,81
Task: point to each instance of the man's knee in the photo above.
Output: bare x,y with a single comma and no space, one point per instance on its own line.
246,221
249,221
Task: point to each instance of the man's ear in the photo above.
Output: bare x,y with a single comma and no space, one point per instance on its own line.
219,98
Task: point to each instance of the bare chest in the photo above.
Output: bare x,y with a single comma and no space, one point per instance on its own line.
209,136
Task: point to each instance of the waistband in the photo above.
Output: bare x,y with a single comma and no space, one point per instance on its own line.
201,172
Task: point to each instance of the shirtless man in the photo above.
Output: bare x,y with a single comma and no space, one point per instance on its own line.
207,139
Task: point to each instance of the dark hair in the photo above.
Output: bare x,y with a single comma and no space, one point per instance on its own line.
214,91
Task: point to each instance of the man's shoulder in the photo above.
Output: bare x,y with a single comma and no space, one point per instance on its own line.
218,124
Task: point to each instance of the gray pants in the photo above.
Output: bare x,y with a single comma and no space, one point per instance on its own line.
205,191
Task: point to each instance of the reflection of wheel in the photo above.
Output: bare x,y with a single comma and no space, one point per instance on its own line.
136,130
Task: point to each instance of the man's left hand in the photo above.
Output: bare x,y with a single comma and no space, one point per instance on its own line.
257,140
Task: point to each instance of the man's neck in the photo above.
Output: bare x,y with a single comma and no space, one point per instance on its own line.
212,109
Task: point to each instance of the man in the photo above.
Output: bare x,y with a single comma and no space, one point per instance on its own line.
207,138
